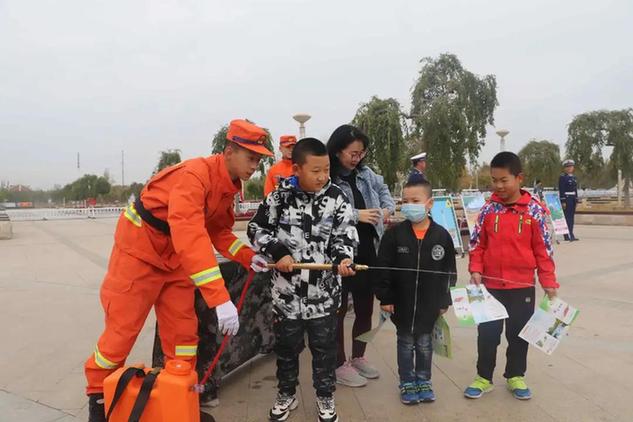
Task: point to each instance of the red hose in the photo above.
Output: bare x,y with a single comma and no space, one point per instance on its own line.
225,341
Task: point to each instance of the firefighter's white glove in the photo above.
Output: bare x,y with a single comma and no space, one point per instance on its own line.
259,264
228,321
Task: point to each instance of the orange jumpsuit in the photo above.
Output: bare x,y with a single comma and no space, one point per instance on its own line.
149,268
280,170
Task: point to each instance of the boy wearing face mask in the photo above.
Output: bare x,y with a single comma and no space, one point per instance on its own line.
416,299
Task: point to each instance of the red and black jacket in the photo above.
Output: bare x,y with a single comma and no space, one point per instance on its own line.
510,242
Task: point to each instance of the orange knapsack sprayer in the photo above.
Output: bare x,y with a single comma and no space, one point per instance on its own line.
139,394
153,395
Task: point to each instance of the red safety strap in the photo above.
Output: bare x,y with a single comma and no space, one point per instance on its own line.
225,341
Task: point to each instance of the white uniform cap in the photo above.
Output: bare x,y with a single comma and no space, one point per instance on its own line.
420,156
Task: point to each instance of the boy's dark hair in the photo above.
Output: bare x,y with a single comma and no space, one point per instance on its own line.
507,160
420,182
305,147
339,140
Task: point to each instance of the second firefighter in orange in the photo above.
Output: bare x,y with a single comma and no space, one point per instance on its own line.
282,169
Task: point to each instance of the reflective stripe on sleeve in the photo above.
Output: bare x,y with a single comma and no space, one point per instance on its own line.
132,215
206,276
235,247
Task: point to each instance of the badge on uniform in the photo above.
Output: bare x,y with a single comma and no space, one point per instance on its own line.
437,252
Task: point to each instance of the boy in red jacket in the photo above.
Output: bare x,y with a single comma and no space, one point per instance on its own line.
509,242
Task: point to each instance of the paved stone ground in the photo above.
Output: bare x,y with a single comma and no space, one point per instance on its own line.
50,318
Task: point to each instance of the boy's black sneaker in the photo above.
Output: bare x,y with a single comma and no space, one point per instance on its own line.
96,408
282,407
326,409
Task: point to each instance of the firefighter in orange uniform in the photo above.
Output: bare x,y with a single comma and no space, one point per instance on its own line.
282,169
164,248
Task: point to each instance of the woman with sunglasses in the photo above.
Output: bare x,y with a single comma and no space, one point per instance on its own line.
372,204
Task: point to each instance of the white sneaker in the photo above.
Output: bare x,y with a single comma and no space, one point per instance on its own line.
282,407
347,375
326,409
364,368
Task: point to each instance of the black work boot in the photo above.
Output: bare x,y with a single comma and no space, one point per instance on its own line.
96,408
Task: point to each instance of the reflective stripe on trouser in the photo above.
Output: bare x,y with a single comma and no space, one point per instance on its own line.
101,360
186,350
130,289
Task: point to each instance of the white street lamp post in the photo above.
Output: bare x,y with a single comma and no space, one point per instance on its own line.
302,118
502,134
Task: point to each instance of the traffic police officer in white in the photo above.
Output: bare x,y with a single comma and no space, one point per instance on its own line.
568,191
419,166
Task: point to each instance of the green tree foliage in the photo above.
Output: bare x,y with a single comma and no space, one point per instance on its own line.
541,161
121,194
168,158
38,197
382,120
135,189
88,186
450,108
483,180
254,188
589,133
219,142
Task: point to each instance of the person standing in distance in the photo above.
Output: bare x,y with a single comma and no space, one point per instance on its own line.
568,191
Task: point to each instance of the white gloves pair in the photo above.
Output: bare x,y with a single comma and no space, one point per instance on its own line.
228,320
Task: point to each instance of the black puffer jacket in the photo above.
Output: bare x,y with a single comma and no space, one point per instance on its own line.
417,296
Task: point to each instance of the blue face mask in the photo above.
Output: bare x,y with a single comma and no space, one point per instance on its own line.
415,213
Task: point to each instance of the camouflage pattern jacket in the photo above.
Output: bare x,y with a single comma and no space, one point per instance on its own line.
313,228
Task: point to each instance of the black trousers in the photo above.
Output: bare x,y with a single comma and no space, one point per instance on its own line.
363,299
520,306
570,213
289,343
361,288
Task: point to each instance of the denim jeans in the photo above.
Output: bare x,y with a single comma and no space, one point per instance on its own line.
416,348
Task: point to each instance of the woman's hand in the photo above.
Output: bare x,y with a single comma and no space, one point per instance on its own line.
370,216
387,308
386,213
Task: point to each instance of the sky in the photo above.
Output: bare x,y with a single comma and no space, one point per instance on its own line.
99,77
